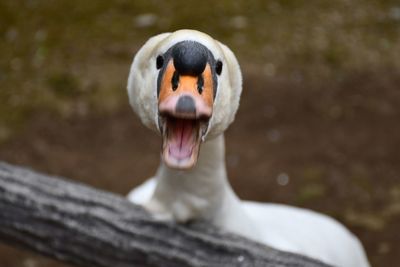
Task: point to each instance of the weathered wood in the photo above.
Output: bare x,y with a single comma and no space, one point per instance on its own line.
88,227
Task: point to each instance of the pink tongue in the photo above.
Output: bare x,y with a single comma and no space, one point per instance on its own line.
181,138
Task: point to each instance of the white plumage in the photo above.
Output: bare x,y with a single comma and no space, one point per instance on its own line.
203,191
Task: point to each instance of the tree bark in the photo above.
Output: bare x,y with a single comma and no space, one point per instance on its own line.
89,227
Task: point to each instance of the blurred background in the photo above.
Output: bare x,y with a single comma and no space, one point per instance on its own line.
318,125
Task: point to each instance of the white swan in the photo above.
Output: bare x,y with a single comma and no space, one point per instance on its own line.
186,86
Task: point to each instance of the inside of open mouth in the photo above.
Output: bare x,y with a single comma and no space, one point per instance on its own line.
182,135
181,141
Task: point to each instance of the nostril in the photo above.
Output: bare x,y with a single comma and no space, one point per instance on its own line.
175,81
185,105
200,84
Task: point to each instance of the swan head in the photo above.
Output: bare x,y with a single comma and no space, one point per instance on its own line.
185,86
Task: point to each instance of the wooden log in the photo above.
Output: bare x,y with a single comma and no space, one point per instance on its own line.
89,227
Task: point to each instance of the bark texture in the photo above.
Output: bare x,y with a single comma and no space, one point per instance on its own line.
89,227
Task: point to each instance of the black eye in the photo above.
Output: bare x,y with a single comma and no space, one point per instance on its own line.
160,62
218,67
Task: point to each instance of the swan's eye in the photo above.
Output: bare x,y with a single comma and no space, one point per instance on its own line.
218,67
160,62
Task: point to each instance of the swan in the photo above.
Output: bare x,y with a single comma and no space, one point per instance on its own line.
186,87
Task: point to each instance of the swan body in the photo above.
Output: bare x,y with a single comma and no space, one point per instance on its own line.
186,87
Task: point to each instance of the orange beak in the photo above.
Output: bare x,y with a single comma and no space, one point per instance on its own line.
185,105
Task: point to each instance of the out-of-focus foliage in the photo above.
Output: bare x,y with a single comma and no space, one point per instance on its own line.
72,57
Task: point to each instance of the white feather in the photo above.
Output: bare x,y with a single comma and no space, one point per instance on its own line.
204,191
142,194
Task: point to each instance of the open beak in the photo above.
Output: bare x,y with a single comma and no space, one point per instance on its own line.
182,131
184,114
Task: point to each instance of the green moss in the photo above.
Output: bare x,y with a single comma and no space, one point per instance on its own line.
334,55
313,173
310,192
64,84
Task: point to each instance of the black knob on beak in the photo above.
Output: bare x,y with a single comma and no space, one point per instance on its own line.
186,105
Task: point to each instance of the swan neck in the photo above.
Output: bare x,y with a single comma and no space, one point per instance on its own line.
203,191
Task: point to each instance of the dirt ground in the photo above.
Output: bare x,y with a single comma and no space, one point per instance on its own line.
329,147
